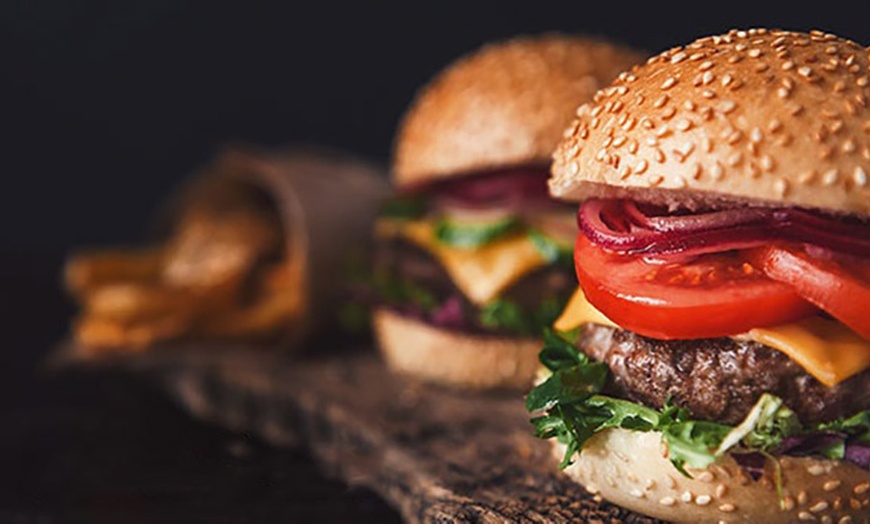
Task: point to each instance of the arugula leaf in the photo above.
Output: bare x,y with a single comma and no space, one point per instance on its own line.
693,442
552,251
858,425
403,208
471,235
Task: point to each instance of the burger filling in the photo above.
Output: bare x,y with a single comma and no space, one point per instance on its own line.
739,331
488,254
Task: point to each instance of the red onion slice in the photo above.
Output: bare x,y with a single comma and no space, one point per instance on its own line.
622,226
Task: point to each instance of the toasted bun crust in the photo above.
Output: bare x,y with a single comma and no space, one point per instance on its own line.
455,359
762,116
628,468
504,105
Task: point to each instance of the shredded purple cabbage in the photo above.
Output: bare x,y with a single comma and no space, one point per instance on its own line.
858,453
751,463
811,443
449,314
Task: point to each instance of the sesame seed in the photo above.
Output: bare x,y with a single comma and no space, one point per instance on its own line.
727,508
703,500
854,503
860,176
862,82
788,503
819,506
679,57
687,496
861,489
671,483
783,92
727,106
707,144
668,113
780,186
845,520
683,125
624,172
755,135
696,171
689,105
629,123
754,53
849,146
806,515
641,167
805,71
661,101
727,79
831,485
637,493
662,131
632,147
573,168
735,159
607,142
829,178
717,171
721,489
766,163
787,65
735,137
802,498
659,155
774,125
836,126
795,109
667,501
708,93
617,106
595,110
669,83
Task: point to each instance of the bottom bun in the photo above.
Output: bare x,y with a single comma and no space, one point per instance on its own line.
453,358
629,468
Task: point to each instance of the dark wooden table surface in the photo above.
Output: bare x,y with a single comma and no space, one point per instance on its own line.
106,447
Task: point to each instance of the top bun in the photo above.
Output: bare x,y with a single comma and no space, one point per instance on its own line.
760,116
505,105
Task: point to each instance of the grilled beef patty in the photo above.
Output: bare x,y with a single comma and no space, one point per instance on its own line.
717,379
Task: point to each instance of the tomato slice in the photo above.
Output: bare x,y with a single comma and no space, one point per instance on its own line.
839,286
710,296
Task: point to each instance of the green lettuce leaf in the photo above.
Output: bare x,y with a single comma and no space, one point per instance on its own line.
472,235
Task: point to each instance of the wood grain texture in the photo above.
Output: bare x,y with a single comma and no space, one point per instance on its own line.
436,455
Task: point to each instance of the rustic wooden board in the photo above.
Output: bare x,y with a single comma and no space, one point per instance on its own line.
436,455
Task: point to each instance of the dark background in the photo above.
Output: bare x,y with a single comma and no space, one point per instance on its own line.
109,104
106,106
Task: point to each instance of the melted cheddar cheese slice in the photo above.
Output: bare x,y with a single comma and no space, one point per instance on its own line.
481,273
826,349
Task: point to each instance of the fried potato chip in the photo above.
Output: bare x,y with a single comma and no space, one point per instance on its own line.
83,272
133,301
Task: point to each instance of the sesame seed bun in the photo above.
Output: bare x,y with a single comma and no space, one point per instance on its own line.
504,105
761,116
628,468
455,359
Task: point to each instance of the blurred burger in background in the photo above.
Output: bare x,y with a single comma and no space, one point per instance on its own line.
473,258
714,364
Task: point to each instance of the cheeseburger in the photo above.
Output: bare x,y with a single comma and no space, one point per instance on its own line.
473,256
713,364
